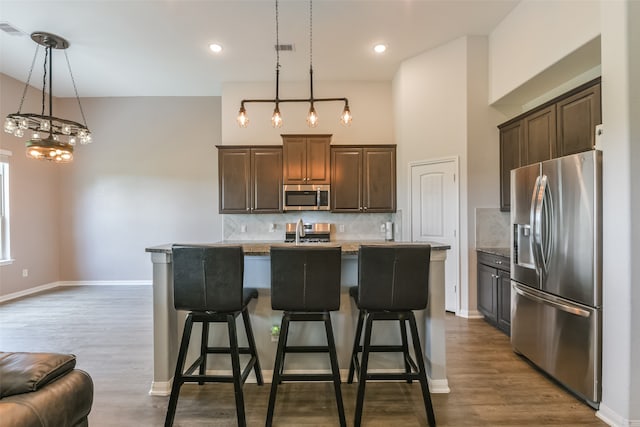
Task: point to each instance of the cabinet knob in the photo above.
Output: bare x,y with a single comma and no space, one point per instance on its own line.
498,262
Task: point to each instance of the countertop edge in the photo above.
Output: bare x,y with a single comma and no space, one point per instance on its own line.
262,248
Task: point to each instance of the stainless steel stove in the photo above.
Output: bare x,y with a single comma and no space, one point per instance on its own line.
313,232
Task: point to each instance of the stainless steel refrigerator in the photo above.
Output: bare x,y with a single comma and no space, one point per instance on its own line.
556,269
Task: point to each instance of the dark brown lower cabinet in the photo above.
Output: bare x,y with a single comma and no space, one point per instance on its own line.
494,290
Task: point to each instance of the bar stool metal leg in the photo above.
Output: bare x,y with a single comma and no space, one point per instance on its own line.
362,378
334,367
235,364
277,368
204,342
405,348
426,396
252,346
177,377
356,347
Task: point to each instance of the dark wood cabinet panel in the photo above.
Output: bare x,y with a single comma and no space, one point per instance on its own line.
363,178
294,150
250,179
487,292
511,139
346,179
578,116
504,301
234,180
539,136
494,290
266,172
306,159
318,160
379,179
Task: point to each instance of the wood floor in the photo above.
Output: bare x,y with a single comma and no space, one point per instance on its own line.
109,328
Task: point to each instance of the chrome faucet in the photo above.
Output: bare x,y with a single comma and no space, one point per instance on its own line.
299,231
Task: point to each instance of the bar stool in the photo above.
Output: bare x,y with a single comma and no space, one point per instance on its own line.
392,281
208,282
305,283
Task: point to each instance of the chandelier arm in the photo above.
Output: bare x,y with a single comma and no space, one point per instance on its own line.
75,89
26,86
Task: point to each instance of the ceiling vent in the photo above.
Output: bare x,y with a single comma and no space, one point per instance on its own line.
10,29
285,47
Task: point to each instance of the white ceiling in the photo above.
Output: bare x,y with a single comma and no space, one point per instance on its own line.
160,47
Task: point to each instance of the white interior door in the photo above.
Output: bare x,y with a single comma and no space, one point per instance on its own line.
435,215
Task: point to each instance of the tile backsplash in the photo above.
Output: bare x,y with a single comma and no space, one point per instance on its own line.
492,228
343,226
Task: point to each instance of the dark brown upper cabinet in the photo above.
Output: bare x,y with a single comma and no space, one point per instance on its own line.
250,179
539,136
578,116
363,178
306,159
511,137
565,125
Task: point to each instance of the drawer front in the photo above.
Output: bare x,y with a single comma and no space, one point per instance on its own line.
496,261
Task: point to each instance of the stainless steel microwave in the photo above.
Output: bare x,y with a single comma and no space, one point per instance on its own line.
306,197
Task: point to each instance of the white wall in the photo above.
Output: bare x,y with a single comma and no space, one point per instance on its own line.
149,177
430,103
35,205
621,208
370,104
536,35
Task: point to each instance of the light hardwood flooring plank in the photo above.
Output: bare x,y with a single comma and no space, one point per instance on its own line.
109,328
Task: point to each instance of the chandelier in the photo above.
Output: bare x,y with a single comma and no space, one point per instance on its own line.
312,116
52,138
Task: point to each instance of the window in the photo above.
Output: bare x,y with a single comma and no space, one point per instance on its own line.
5,253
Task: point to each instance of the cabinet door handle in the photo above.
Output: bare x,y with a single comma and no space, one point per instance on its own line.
499,262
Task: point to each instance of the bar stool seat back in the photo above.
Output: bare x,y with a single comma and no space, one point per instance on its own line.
305,280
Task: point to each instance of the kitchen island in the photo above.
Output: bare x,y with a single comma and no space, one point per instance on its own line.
168,322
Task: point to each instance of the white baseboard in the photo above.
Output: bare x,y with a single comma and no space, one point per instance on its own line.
105,283
470,314
160,388
610,417
27,292
35,290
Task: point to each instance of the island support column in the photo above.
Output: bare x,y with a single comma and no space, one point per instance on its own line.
435,336
165,328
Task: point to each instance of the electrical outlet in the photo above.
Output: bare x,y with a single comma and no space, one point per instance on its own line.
275,333
341,228
383,228
272,228
243,228
25,272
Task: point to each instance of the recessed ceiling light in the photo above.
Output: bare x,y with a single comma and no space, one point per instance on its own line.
380,48
215,48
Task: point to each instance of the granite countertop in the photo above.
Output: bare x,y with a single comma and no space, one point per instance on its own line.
258,248
505,252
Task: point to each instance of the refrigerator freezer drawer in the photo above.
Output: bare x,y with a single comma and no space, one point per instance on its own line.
560,337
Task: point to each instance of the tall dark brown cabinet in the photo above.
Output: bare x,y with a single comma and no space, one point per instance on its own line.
250,179
363,178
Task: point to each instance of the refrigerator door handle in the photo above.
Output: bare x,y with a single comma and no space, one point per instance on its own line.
557,304
543,218
536,222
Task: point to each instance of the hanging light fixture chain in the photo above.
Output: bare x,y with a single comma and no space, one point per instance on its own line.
44,77
75,89
26,86
311,33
